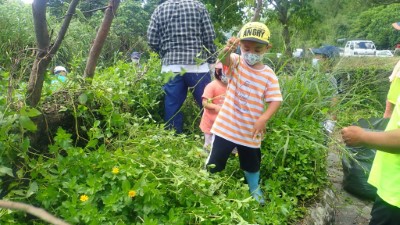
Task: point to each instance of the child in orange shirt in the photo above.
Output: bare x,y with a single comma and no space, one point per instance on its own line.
252,98
213,98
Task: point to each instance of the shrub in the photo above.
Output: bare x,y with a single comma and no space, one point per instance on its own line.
119,166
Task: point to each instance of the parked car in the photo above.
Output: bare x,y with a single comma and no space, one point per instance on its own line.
384,53
359,48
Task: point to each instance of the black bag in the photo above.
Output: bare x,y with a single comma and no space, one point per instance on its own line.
357,165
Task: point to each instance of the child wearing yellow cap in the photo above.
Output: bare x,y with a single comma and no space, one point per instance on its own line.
242,119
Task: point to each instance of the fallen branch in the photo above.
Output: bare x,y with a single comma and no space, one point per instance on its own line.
38,212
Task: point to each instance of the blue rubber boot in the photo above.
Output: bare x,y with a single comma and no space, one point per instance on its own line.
255,191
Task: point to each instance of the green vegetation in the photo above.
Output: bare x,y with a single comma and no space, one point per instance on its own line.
99,154
132,171
163,170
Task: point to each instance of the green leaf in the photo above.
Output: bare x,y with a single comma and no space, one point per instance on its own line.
25,144
20,173
92,143
96,123
284,210
6,170
63,109
30,112
33,188
83,99
126,186
27,123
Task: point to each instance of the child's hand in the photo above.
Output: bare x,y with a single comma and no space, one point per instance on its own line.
259,129
230,47
217,108
353,135
232,44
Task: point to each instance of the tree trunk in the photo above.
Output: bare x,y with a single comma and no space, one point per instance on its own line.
100,38
45,51
41,61
286,39
257,11
284,20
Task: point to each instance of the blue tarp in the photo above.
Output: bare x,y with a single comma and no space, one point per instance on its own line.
328,51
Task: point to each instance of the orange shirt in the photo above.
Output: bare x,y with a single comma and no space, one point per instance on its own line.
215,91
248,91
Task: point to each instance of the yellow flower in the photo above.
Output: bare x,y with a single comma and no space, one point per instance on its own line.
84,198
115,170
132,193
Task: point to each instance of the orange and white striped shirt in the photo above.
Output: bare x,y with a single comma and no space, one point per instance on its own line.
248,91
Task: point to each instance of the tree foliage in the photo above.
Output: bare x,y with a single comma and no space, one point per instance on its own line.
130,25
225,15
292,15
381,2
375,24
58,7
340,19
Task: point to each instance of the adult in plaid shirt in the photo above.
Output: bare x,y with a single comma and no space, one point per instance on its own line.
181,32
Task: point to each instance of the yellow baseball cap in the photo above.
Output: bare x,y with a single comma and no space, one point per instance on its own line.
255,31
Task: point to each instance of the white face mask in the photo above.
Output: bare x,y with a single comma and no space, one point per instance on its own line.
252,58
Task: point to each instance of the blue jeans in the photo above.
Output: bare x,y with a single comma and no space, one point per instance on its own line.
175,94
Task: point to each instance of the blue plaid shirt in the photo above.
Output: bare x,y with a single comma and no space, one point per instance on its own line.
181,32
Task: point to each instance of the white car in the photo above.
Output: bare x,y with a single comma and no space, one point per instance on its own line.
359,48
384,53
